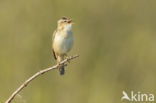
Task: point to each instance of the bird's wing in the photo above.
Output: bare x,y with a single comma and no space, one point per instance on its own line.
53,37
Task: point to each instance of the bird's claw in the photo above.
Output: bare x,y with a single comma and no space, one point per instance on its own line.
68,59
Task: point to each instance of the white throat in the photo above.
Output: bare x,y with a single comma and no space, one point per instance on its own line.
67,28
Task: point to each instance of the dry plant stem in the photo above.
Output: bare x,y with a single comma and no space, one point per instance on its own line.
35,76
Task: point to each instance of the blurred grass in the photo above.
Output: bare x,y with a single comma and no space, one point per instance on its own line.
115,41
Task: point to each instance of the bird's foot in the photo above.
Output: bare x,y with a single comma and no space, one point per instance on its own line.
59,63
68,59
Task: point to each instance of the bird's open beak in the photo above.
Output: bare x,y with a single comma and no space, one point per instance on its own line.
69,21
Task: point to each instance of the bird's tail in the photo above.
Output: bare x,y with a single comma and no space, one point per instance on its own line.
61,69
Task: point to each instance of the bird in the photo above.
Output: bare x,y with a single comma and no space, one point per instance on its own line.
62,41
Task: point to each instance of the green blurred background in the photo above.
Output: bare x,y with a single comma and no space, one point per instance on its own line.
116,41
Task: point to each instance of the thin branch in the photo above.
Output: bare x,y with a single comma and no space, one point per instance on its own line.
35,76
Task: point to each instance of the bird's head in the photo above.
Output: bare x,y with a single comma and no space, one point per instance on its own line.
64,24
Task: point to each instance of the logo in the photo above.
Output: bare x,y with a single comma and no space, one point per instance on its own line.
138,96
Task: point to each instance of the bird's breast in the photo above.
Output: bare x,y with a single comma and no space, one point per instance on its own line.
63,43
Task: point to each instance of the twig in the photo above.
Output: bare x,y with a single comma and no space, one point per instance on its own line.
35,76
